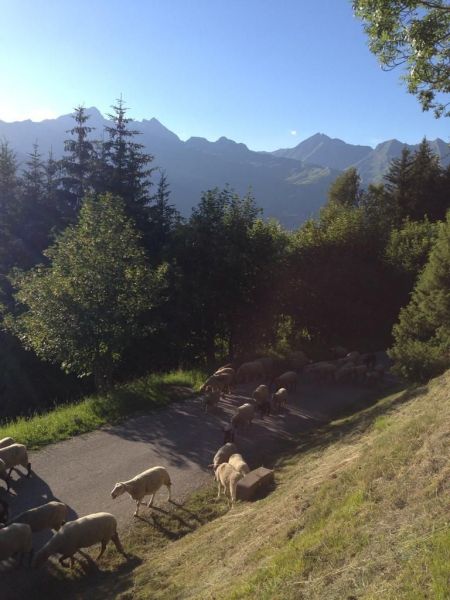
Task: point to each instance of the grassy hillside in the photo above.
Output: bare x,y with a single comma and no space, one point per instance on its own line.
360,510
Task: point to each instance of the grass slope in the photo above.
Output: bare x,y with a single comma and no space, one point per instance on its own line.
360,511
65,421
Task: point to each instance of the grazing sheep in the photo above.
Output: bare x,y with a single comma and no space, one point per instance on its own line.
144,484
250,371
287,380
223,454
239,464
14,455
267,364
321,371
261,396
345,373
354,357
298,360
225,367
48,516
280,398
4,511
81,533
243,416
14,539
227,478
219,381
8,441
211,399
339,351
370,360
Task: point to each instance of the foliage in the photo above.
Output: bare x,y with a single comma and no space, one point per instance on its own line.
413,33
83,310
410,244
422,335
65,421
346,189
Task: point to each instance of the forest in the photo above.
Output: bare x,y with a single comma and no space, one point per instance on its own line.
102,280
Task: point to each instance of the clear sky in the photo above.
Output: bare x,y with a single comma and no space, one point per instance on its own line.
268,73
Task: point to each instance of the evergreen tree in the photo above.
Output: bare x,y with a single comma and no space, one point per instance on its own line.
422,335
78,161
163,219
127,166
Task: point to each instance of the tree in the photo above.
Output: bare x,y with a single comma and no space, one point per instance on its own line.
346,188
84,309
163,219
422,335
413,33
78,162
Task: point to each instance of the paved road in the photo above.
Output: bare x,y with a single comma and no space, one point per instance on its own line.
82,471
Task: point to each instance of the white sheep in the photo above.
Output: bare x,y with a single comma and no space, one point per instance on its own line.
144,484
15,538
250,371
223,454
219,381
14,455
227,478
287,380
280,398
81,533
48,516
7,441
243,416
354,357
239,464
211,399
261,396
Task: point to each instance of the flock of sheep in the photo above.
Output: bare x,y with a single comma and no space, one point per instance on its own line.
229,466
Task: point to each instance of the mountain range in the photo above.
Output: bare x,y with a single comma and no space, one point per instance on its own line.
288,184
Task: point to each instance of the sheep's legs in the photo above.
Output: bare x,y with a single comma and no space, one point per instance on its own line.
136,512
150,502
102,549
170,490
219,489
28,469
117,543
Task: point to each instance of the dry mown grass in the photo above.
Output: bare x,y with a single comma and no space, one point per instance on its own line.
362,511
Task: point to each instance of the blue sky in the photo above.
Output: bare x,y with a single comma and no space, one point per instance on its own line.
268,73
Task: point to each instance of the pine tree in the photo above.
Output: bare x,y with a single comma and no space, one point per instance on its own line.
77,163
346,189
422,335
163,218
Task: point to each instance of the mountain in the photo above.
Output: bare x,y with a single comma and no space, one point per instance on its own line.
284,188
322,150
288,184
372,163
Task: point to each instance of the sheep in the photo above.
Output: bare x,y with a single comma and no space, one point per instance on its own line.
267,364
243,416
250,371
287,380
144,484
4,511
339,351
370,360
345,373
223,454
227,478
298,360
219,381
321,371
360,372
261,397
15,538
354,357
211,399
48,516
280,398
239,464
7,441
81,533
11,456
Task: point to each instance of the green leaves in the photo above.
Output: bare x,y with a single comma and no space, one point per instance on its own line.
414,34
82,311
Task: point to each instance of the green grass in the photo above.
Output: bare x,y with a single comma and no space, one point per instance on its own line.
68,420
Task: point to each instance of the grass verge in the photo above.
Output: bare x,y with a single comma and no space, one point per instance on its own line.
67,420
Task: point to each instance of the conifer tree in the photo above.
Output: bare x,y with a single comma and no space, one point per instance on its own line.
346,189
422,335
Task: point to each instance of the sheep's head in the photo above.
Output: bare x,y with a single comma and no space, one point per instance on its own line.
118,490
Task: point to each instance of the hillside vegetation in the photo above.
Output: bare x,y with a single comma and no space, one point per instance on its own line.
360,510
